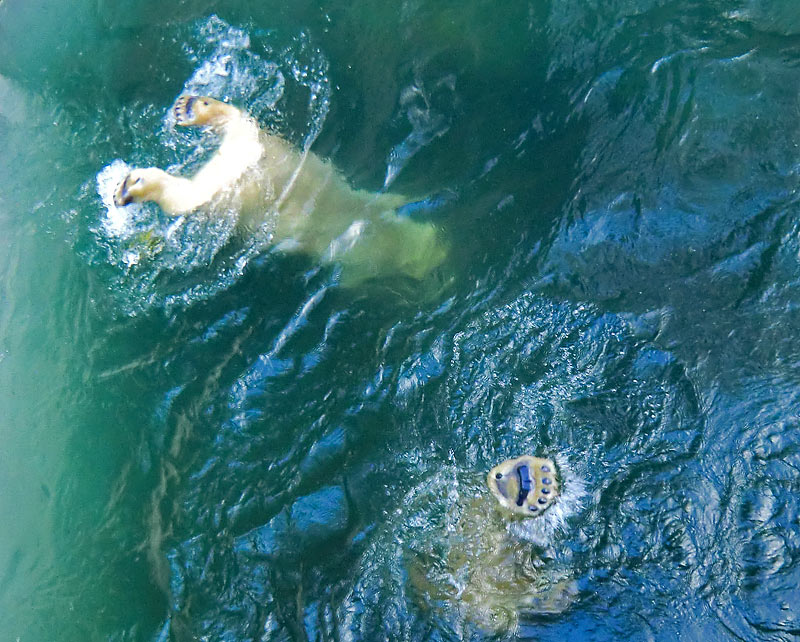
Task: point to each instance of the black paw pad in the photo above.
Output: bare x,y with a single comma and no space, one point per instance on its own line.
525,485
184,110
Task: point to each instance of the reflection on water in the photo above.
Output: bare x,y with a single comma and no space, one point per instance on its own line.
203,439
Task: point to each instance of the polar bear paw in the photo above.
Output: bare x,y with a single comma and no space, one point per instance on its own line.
526,485
204,111
185,111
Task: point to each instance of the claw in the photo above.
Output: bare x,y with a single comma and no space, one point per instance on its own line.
183,110
121,196
526,485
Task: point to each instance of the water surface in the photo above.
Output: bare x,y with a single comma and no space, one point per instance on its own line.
619,186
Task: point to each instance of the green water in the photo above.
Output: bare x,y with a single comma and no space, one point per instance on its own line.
210,440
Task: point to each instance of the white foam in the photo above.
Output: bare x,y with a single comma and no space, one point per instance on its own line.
228,69
118,221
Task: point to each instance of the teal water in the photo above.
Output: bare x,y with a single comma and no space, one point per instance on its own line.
212,441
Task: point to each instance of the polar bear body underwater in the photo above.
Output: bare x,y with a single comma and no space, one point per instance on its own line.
489,559
255,174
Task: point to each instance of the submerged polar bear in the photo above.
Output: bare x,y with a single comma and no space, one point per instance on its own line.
255,175
490,558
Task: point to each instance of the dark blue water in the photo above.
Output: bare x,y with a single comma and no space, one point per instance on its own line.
205,439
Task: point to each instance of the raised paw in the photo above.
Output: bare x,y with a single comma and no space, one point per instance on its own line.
526,485
202,110
184,110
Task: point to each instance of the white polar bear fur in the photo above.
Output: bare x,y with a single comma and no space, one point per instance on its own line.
256,174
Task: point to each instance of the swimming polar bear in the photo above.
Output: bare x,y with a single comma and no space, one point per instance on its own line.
256,176
493,560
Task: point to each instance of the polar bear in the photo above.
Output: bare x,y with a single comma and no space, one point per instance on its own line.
490,557
256,175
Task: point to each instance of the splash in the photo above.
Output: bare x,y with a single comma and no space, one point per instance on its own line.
428,123
157,261
227,68
118,222
449,549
